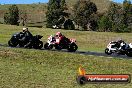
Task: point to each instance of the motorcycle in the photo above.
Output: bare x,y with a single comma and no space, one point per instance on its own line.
16,40
36,43
68,44
114,47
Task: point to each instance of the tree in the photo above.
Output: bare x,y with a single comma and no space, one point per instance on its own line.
82,11
104,24
68,24
127,7
55,10
12,16
116,16
63,5
121,17
7,18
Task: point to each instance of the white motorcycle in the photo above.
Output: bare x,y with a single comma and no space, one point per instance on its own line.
114,47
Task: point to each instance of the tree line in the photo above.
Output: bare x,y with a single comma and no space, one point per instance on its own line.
84,16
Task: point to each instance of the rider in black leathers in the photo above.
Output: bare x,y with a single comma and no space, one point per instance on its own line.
28,38
121,44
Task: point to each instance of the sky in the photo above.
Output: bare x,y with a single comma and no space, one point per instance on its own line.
21,1
119,1
35,1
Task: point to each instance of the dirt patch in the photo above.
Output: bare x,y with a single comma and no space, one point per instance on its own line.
6,53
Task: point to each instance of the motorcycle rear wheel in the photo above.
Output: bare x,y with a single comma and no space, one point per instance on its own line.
12,44
129,54
47,46
58,47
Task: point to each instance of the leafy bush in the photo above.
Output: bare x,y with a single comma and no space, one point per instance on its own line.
12,16
69,25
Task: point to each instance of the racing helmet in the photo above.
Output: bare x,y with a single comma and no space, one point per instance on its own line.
58,34
25,29
120,41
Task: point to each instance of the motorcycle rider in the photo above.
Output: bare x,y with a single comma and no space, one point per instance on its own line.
52,38
62,38
122,44
28,37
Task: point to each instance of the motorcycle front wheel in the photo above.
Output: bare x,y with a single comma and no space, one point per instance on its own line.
107,51
39,45
72,47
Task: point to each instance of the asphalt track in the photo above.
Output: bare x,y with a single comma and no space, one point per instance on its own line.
90,53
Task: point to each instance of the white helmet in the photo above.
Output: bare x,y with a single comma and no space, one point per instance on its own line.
25,29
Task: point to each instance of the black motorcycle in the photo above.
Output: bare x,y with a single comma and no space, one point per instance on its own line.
15,40
35,42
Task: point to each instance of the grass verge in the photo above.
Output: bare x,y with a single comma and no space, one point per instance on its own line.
86,40
49,69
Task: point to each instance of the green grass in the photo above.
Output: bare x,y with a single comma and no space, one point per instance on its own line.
29,68
49,69
86,40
